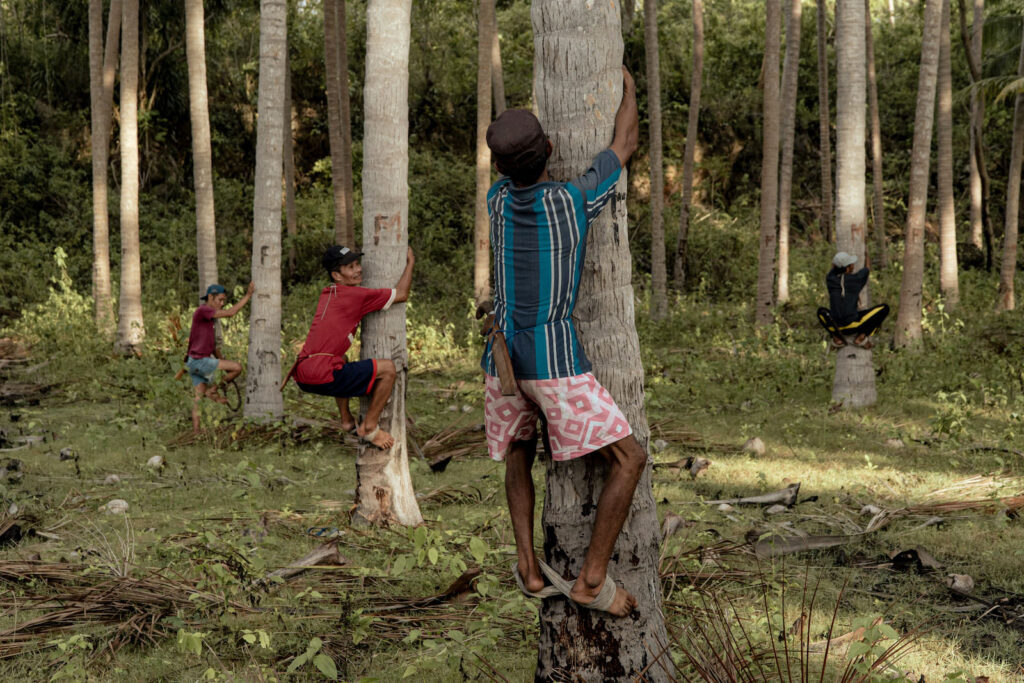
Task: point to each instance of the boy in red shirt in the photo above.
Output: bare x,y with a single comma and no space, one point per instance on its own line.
203,358
321,367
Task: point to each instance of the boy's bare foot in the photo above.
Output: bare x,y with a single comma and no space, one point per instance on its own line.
215,396
376,436
583,595
531,577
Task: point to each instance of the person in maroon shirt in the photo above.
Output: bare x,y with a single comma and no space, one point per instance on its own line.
203,358
321,366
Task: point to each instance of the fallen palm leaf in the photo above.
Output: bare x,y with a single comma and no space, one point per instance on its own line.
786,496
459,589
325,555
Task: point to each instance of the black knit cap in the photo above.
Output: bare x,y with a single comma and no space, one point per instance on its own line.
517,140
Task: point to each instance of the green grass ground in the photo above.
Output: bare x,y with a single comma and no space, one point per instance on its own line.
224,513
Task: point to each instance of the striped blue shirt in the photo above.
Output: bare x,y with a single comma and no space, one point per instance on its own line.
539,240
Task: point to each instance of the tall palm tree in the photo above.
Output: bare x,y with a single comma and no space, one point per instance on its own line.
659,296
948,280
824,117
1008,268
262,397
102,68
790,69
974,55
338,119
384,491
577,57
497,77
854,383
908,317
288,120
769,166
481,232
202,154
130,328
692,121
878,187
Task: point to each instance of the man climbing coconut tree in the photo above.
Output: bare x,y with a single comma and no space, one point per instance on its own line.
842,319
538,237
321,366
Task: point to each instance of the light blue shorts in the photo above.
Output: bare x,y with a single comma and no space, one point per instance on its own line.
200,370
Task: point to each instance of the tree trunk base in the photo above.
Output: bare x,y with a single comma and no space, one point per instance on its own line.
854,385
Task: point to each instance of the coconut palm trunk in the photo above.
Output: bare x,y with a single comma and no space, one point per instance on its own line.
692,121
384,492
1008,269
659,295
578,53
338,119
288,117
130,328
949,283
908,317
102,68
202,154
878,187
769,167
974,55
824,132
481,225
790,69
854,383
262,398
497,76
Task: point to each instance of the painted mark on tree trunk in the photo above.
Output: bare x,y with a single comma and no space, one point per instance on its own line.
383,222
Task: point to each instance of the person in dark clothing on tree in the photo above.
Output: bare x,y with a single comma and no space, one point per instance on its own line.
843,319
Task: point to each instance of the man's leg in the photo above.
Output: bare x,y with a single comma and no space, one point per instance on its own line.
347,421
382,385
825,318
520,495
868,323
232,368
626,460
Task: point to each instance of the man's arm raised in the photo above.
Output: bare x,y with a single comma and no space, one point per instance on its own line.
237,307
405,282
627,121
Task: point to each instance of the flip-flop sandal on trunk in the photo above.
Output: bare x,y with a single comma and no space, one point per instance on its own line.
545,592
604,600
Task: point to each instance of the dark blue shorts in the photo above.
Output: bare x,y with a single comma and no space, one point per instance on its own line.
353,379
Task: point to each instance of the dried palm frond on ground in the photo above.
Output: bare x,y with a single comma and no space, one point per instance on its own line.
135,606
237,433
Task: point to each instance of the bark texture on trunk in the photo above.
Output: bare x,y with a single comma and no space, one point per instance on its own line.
854,382
339,125
769,166
974,55
908,317
288,122
481,224
949,283
659,295
130,329
102,68
692,121
1008,269
790,69
263,400
497,77
578,90
384,491
878,187
202,154
824,117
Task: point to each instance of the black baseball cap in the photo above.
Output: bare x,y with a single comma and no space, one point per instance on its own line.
337,255
517,140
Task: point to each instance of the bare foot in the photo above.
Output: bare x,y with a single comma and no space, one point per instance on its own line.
583,595
348,426
376,436
532,578
838,342
216,397
863,342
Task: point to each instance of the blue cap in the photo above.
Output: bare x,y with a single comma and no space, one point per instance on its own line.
214,289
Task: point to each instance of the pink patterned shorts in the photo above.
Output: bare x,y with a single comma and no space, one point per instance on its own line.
581,415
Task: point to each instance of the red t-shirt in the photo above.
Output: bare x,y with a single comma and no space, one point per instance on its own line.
337,316
201,339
